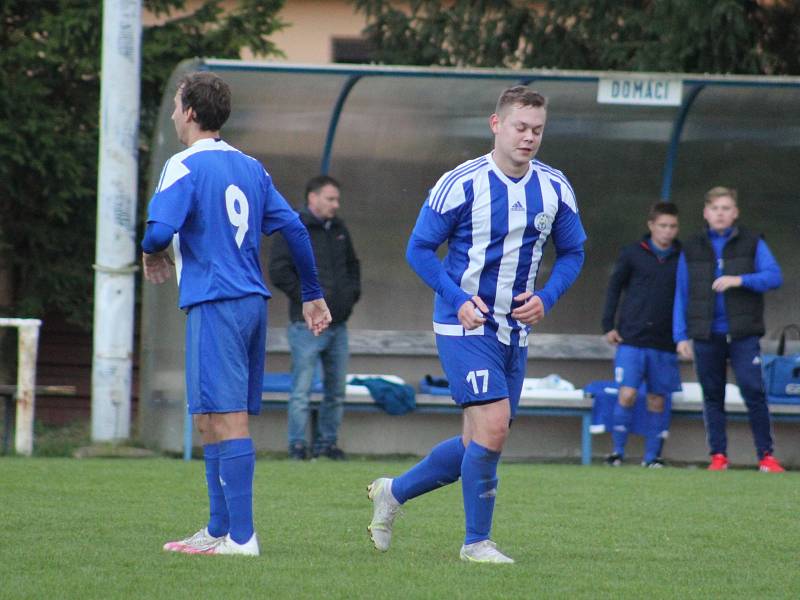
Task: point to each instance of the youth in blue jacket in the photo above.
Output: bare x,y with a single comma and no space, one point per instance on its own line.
722,275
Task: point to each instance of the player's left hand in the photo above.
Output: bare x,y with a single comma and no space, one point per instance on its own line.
531,311
157,266
316,315
725,282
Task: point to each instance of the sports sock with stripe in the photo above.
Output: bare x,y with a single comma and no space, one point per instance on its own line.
652,439
623,416
479,488
218,508
237,459
441,467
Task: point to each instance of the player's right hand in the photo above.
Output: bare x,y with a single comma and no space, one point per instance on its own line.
613,337
472,313
685,350
316,315
157,266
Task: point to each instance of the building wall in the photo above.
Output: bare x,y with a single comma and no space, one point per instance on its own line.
312,26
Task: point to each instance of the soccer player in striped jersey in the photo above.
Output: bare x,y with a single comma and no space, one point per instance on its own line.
496,214
214,202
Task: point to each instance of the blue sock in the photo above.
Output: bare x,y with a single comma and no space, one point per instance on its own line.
653,440
665,423
622,423
237,460
441,467
218,509
479,488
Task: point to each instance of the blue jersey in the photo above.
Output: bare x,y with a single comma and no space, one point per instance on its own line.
496,229
219,201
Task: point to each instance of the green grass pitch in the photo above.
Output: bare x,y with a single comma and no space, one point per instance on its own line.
94,529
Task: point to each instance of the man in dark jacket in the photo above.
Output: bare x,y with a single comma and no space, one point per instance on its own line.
723,273
340,278
645,272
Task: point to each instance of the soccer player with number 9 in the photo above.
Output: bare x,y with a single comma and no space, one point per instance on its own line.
213,203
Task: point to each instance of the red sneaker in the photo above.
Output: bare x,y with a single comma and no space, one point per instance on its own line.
719,462
769,464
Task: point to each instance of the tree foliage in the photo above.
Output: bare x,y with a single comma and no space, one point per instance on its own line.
50,53
724,36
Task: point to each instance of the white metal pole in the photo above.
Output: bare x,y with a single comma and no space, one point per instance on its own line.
115,252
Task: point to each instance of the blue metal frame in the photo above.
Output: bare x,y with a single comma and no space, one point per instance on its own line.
675,138
334,122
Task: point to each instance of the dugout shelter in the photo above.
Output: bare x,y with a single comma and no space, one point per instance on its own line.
625,140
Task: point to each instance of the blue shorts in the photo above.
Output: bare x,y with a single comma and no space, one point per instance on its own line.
225,348
658,368
482,370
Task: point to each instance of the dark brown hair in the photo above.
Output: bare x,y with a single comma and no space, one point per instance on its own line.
315,184
208,96
662,208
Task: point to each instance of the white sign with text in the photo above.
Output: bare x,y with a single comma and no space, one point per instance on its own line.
648,91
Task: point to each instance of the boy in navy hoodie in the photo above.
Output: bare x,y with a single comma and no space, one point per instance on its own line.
642,330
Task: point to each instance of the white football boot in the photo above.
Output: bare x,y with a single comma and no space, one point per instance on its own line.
201,540
484,551
227,546
385,510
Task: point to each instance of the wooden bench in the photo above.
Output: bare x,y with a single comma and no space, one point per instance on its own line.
9,392
787,413
374,342
544,403
367,342
688,404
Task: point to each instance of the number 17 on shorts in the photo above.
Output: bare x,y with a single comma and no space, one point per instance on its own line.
481,369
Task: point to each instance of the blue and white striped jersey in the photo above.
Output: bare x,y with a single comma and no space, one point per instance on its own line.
496,230
219,201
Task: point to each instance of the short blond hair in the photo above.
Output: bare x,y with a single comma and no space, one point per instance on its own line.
719,192
520,95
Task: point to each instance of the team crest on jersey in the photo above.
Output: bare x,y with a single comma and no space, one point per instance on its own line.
542,222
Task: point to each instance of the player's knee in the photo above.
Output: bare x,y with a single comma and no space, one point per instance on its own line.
203,424
496,433
627,396
229,426
655,403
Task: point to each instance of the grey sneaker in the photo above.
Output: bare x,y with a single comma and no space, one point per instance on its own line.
201,540
227,546
484,551
385,510
656,463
